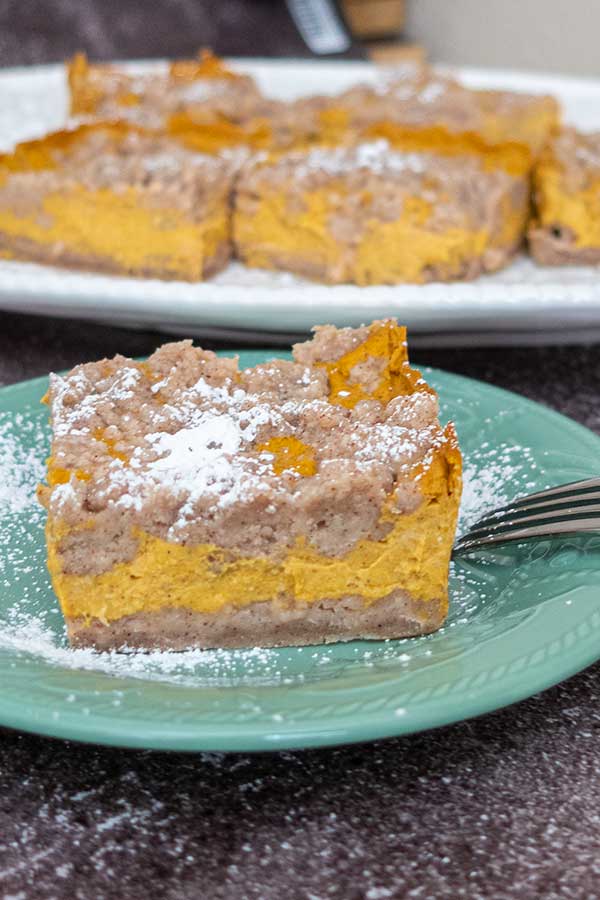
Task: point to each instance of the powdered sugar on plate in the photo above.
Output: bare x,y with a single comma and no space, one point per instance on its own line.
492,479
32,626
21,468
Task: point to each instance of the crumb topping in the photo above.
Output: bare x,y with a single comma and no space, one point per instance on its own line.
578,155
165,172
191,449
421,96
147,99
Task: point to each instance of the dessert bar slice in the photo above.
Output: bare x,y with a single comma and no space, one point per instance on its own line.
207,106
420,109
106,91
416,110
202,103
114,199
372,215
194,504
566,228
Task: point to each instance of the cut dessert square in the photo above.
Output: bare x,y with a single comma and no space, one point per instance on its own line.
113,198
372,215
203,103
420,109
416,109
566,228
193,504
207,106
106,91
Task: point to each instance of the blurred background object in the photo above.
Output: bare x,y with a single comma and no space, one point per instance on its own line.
45,31
374,18
380,24
36,31
547,35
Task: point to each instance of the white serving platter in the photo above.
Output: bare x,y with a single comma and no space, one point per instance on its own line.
523,304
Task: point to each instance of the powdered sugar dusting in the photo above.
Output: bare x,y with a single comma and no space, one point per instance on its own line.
20,467
493,479
376,156
202,459
121,388
202,89
185,455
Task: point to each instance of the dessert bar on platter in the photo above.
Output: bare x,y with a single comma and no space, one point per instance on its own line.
117,199
370,214
566,227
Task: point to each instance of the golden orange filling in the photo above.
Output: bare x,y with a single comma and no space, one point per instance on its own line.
214,135
387,343
110,444
513,156
290,453
43,153
59,475
403,250
119,228
207,65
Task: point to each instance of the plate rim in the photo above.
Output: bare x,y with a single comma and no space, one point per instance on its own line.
248,736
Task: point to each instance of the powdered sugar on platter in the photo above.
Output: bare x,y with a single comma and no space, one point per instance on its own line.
374,156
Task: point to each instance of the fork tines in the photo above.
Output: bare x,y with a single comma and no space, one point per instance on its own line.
566,509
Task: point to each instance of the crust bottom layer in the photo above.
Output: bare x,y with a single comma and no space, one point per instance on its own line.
464,269
266,624
27,250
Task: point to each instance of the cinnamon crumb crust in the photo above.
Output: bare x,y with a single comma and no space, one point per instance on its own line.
44,254
267,624
231,496
465,270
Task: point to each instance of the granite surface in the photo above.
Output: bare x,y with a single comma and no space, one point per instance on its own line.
506,806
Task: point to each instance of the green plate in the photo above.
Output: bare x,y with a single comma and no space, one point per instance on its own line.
522,618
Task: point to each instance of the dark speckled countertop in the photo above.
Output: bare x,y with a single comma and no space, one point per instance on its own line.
501,807
507,806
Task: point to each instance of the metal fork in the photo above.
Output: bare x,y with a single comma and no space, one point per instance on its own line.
567,509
